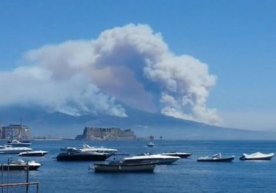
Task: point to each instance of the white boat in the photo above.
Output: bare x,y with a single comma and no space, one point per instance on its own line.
17,143
153,158
37,153
20,165
257,156
7,149
150,144
88,148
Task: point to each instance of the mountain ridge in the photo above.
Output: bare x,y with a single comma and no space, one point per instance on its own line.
142,123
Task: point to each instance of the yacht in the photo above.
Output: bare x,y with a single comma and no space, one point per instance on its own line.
17,143
153,158
88,148
8,149
74,154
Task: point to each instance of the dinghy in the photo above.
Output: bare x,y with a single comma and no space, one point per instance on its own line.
257,156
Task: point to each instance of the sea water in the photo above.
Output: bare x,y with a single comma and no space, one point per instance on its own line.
185,175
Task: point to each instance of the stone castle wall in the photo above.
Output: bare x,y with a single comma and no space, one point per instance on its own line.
95,133
20,132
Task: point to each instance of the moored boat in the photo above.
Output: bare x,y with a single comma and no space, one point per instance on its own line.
74,154
216,158
150,144
179,154
88,148
153,158
121,166
20,165
257,156
17,143
37,153
7,149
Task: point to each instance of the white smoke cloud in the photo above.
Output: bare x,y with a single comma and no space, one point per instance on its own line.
74,96
129,64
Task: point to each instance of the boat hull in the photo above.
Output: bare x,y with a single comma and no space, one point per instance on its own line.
33,154
228,159
260,158
18,167
181,155
167,160
124,168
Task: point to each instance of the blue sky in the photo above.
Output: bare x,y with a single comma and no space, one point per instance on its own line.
236,39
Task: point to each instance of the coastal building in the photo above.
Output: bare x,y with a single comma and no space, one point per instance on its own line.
15,131
96,133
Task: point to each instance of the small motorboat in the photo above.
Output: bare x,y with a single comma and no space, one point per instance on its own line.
216,158
121,166
74,154
20,165
38,153
150,144
151,158
179,154
8,149
257,156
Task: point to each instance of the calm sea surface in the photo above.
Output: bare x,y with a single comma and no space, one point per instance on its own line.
186,175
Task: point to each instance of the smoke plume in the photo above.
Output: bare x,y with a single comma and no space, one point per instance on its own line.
129,65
